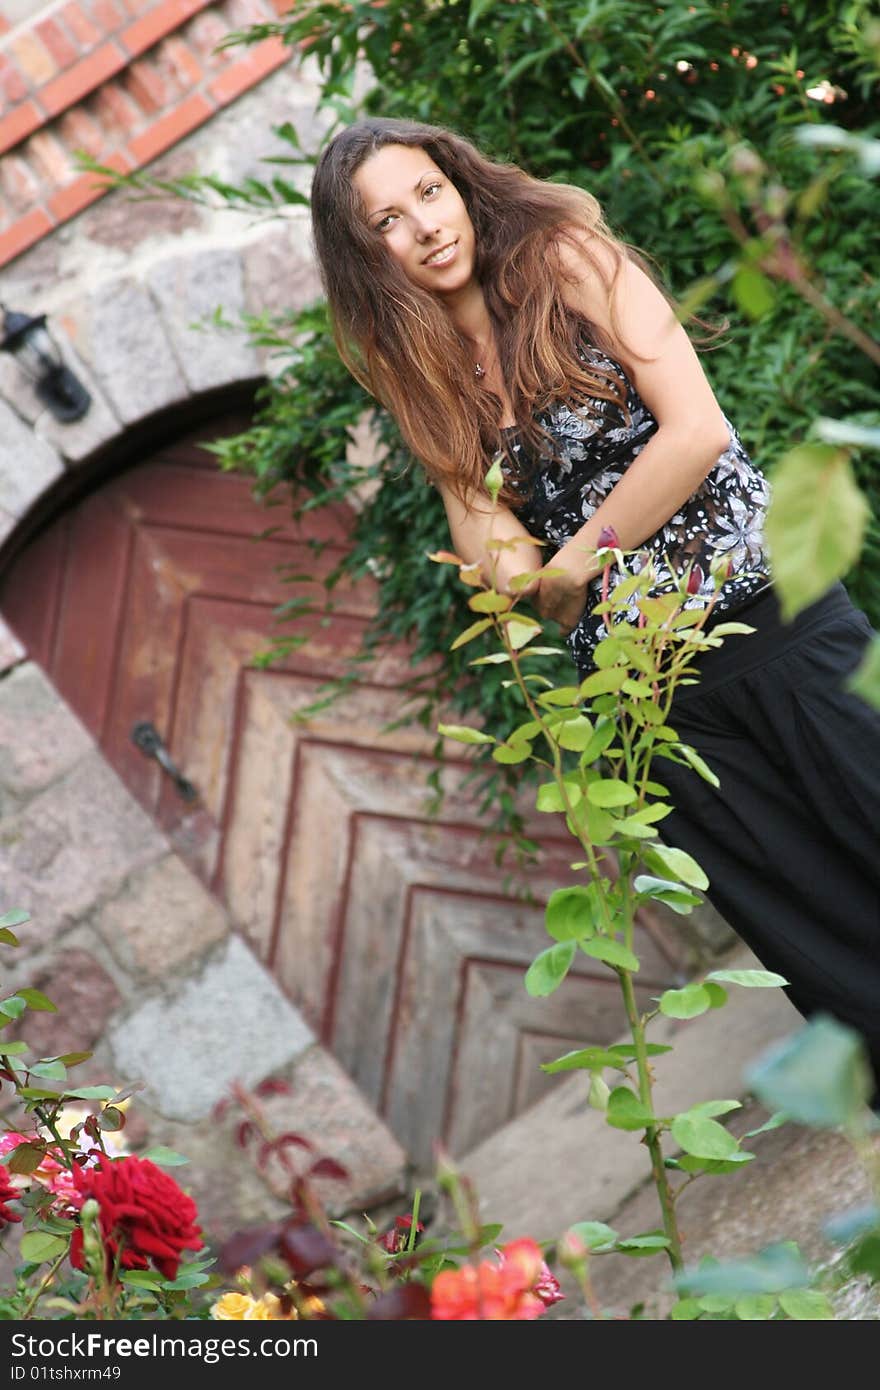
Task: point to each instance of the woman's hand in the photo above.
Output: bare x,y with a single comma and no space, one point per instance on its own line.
562,592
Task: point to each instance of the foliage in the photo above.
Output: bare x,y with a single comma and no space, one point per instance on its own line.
127,1230
687,121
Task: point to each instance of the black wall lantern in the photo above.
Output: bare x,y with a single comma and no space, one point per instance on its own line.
38,355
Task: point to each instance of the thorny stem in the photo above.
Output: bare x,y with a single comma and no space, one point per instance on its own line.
43,1285
637,1028
652,1134
590,1298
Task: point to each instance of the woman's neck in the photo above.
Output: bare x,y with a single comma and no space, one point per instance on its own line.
471,317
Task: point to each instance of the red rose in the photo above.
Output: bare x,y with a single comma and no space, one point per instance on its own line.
8,1193
144,1214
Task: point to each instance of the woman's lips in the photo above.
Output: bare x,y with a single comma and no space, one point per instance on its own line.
442,256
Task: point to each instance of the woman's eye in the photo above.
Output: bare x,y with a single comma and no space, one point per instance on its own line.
384,222
430,189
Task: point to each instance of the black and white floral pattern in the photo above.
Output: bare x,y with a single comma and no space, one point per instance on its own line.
593,447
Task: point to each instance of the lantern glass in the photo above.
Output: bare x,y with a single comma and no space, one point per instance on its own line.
36,352
39,357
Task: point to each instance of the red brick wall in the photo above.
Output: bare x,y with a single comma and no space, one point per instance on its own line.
120,79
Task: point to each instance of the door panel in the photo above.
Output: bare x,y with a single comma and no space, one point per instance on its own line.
393,930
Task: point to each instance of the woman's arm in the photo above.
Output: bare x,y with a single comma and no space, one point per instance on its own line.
471,528
691,429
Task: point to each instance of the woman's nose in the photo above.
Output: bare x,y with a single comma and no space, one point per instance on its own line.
425,226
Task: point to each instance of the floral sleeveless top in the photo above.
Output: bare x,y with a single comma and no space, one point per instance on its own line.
593,449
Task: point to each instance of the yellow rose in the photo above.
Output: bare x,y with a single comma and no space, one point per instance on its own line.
235,1307
269,1308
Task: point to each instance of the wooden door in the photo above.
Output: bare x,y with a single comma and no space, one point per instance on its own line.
392,929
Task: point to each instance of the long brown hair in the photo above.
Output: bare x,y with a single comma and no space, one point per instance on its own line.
398,340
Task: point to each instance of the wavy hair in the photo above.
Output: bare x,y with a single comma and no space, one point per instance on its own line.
400,343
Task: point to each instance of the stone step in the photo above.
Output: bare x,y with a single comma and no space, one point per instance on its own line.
559,1162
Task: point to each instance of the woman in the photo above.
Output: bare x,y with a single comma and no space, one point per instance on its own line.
490,311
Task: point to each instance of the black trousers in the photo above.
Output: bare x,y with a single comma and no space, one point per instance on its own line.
790,840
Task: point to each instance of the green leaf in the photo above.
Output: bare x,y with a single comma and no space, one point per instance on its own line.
549,969
864,1258
494,479
626,1111
613,953
462,733
820,1076
604,736
13,1049
584,1059
608,791
664,859
15,918
815,524
521,630
39,1246
142,1278
715,1107
188,1278
715,1303
522,581
601,827
575,734
571,913
698,764
25,1158
703,1137
510,753
866,680
753,292
775,1269
8,937
50,1071
755,1307
806,1305
858,1221
470,633
775,1122
603,682
92,1093
35,999
666,892
166,1158
627,1051
595,1235
549,796
560,695
685,1003
685,1310
750,979
490,602
649,1244
13,1007
691,1164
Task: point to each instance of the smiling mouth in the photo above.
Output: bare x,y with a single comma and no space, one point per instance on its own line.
440,257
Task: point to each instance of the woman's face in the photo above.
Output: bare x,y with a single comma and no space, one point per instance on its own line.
420,216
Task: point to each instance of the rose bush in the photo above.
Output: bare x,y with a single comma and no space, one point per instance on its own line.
145,1217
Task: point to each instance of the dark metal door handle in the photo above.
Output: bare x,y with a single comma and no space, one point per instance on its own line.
145,736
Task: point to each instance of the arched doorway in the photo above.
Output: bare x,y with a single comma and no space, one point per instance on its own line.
146,599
